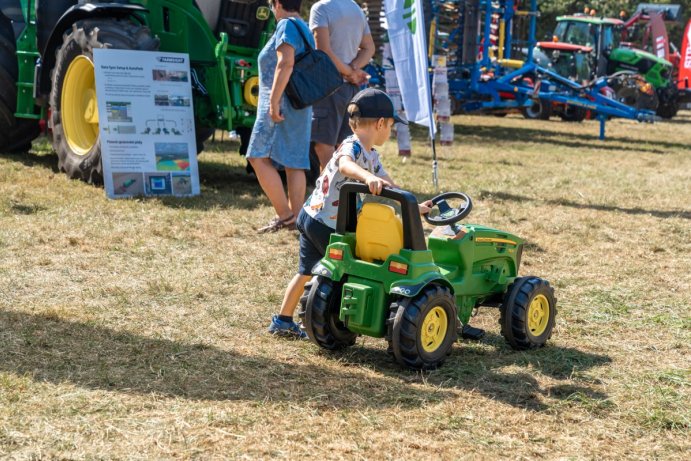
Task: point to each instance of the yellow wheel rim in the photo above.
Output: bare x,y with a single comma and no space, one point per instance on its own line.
79,106
538,315
434,329
251,91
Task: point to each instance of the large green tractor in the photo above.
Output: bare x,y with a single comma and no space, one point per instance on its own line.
47,71
380,278
603,35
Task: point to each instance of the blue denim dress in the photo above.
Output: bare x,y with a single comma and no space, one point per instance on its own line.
287,142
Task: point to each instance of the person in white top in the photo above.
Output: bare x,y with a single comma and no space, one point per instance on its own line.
340,30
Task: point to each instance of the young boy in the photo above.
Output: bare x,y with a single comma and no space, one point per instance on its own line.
371,115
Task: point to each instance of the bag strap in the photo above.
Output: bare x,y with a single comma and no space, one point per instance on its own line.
302,34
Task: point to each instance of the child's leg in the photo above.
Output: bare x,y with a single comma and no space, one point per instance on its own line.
293,293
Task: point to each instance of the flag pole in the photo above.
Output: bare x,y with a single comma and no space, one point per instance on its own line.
435,175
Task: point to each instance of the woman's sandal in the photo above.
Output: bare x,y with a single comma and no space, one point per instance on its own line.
277,224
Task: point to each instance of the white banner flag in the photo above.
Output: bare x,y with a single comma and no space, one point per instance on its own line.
406,27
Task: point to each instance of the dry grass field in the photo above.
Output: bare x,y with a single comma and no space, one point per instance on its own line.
135,329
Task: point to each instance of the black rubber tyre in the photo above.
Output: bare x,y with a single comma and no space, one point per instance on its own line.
432,310
528,297
573,114
201,134
81,41
15,134
540,110
320,305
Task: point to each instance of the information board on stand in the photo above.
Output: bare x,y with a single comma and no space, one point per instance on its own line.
146,123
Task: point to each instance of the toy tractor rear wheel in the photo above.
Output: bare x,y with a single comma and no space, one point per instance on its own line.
422,329
528,313
321,303
16,134
73,104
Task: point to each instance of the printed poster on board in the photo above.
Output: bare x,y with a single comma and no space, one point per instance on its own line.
146,123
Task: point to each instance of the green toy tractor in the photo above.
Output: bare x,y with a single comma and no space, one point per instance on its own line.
47,72
380,278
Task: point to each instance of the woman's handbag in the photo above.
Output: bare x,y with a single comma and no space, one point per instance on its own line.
314,76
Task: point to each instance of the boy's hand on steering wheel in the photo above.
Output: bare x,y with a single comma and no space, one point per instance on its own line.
425,207
376,184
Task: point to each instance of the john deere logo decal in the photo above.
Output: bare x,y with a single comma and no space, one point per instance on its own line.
409,15
263,13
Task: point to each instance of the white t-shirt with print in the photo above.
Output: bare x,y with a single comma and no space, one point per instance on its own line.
322,205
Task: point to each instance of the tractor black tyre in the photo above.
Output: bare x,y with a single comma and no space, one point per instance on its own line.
84,37
432,310
15,134
528,297
539,110
320,305
573,114
201,134
668,109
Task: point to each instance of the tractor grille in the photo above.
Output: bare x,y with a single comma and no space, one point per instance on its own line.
239,20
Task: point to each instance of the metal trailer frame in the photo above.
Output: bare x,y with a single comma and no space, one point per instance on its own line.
490,85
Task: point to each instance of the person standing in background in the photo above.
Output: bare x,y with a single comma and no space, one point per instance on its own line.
281,133
340,30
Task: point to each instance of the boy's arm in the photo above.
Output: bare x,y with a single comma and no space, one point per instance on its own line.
352,170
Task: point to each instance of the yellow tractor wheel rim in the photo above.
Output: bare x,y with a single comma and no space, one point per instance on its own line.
251,91
538,315
434,328
79,106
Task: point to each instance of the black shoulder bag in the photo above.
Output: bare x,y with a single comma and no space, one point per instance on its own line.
314,76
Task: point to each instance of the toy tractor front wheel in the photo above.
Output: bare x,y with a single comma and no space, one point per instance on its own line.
321,303
73,104
422,329
528,313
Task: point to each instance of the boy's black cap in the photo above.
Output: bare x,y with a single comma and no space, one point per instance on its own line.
373,103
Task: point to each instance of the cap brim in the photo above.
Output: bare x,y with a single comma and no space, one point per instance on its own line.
398,119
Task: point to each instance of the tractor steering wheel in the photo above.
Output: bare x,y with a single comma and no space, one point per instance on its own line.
447,214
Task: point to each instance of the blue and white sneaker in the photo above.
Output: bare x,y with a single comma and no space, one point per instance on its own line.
290,329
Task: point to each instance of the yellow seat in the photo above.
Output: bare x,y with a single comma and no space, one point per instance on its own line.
379,232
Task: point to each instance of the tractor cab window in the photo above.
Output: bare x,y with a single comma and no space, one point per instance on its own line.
610,38
579,33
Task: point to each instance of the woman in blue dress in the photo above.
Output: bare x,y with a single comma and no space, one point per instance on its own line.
281,134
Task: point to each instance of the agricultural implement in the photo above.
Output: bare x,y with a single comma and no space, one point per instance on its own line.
492,71
380,278
612,42
47,71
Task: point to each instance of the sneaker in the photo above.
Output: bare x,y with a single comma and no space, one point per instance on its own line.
290,329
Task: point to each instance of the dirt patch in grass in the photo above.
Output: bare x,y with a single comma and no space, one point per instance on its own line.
136,328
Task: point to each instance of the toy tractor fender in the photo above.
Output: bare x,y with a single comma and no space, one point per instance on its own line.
72,15
411,288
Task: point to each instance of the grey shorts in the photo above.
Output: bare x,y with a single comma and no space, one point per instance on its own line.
329,117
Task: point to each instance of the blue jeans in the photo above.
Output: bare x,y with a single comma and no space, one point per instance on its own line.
314,238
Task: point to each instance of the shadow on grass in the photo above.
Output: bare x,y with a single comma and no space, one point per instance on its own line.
54,350
564,138
31,159
568,203
482,370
